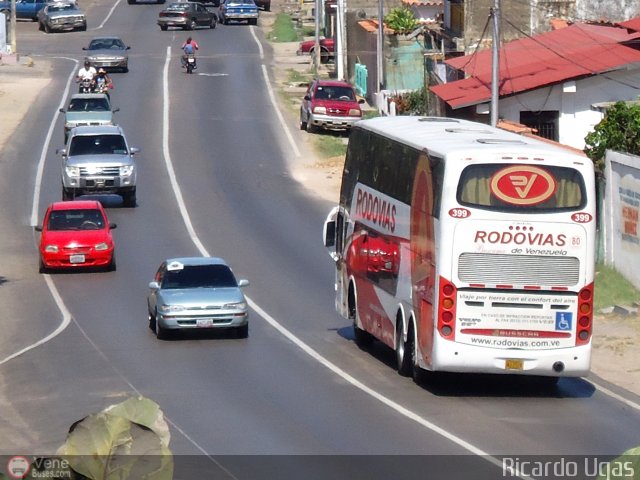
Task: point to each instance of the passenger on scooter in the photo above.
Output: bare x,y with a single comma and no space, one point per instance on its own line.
189,47
102,82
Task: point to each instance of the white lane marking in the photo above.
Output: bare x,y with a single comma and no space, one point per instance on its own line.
272,98
620,398
167,155
107,17
45,147
276,109
255,37
66,320
213,74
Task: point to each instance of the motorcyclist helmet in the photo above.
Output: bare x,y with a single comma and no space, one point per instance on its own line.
87,64
102,71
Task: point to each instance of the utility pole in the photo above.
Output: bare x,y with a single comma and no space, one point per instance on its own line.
316,48
340,57
380,48
495,63
13,27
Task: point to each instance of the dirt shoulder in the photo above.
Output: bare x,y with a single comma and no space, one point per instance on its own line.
20,84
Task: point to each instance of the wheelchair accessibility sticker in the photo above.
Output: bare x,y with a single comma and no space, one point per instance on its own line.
564,321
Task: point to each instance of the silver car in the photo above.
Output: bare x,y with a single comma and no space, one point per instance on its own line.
197,293
87,109
108,52
187,15
61,16
98,160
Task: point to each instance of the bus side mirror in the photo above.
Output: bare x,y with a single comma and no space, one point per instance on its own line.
329,233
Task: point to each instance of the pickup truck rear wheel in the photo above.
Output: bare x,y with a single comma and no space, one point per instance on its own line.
67,194
129,199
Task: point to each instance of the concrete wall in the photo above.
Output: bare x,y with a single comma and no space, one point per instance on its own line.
573,100
621,212
517,13
533,16
611,10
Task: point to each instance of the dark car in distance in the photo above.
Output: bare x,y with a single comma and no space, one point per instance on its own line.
24,8
238,10
187,15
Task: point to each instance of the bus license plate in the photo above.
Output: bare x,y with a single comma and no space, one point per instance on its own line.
514,364
204,323
76,259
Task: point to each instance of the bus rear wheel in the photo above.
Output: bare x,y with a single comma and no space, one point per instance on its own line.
404,350
362,338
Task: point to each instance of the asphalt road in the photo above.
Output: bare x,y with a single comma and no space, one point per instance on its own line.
266,394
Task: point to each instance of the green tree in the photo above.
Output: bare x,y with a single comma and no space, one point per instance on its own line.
619,130
402,20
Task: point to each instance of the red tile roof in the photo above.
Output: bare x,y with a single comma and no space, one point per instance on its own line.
424,3
552,57
371,25
633,24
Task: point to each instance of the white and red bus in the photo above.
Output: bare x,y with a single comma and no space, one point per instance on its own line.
466,248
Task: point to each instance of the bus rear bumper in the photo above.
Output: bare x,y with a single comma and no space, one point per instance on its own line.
563,362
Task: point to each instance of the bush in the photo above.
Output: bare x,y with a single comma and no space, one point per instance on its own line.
411,103
619,130
402,20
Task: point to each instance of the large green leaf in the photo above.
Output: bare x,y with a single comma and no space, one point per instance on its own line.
125,441
625,467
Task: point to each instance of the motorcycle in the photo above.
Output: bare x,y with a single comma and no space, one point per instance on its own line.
86,86
102,87
190,62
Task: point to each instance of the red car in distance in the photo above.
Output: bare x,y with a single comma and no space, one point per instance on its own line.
76,234
327,48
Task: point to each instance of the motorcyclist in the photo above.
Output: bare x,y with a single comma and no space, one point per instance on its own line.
189,47
102,82
87,73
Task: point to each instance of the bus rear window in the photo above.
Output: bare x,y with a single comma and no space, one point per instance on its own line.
511,187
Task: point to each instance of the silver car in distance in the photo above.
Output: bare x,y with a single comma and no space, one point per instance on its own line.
196,293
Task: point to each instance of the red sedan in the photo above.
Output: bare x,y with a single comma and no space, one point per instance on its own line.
76,234
327,48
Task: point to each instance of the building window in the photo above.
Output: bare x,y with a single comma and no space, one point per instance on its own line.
544,123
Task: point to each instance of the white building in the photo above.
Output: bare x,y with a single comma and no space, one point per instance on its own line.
551,82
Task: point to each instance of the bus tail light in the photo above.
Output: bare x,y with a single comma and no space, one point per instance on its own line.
585,315
447,309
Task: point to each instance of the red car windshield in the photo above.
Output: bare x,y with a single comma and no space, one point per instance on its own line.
335,93
61,220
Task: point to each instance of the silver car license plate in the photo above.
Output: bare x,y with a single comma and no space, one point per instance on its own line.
204,322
